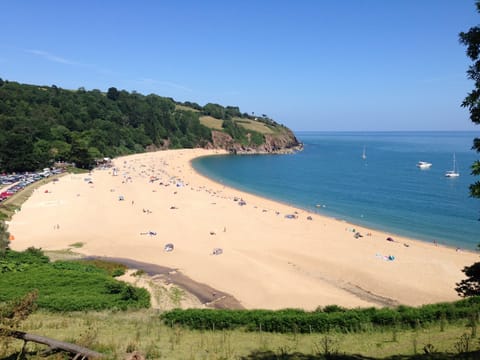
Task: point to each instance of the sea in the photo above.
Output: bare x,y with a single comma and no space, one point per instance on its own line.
384,191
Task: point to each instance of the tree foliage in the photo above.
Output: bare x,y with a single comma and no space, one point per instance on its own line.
41,124
471,39
214,110
471,285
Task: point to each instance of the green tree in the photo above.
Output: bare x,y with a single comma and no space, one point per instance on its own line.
80,155
232,111
60,150
471,285
42,152
94,153
113,94
471,40
17,150
192,105
214,110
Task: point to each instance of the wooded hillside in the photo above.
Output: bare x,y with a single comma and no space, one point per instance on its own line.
43,124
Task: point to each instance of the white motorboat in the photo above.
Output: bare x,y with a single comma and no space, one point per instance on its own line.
424,165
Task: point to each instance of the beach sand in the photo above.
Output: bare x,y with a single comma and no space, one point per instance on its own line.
268,261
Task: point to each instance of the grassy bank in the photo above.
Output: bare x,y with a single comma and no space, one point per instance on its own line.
118,333
67,285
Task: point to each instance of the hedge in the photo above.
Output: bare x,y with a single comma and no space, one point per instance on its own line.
319,321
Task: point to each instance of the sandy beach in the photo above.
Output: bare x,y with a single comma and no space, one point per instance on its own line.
268,260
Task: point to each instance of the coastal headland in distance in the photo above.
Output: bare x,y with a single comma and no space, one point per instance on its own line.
272,255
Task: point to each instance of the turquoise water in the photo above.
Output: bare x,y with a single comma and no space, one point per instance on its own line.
386,191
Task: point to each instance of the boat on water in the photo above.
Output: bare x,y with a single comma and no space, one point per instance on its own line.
454,172
424,165
364,154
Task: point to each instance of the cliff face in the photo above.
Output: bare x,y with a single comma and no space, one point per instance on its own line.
281,143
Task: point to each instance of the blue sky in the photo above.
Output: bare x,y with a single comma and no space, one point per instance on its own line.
310,64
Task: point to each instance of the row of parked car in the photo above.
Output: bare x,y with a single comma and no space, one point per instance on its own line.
13,183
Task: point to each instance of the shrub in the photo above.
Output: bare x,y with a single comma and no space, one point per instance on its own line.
69,286
330,318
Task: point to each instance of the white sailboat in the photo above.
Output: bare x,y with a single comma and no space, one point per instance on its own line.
364,154
454,172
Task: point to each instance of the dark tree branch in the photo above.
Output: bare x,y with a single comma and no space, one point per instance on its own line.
80,352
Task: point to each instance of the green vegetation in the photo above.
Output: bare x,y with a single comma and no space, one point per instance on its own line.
256,126
67,285
69,295
471,285
116,333
40,125
471,40
237,131
112,268
13,313
77,245
4,238
330,318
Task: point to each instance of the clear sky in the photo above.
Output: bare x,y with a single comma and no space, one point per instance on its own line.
309,64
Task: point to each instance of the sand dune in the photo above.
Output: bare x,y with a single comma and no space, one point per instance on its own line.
268,260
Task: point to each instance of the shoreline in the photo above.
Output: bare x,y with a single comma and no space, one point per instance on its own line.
268,260
351,223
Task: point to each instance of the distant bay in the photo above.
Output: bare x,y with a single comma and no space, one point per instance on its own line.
384,191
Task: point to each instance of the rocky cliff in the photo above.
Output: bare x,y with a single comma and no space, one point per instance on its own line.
280,143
